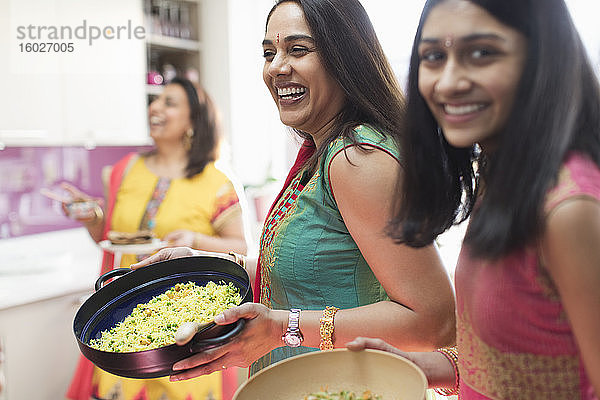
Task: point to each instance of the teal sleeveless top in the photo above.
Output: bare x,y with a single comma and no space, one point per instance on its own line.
308,258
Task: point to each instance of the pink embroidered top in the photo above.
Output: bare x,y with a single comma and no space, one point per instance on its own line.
514,339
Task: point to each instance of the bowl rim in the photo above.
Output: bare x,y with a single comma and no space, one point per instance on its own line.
318,353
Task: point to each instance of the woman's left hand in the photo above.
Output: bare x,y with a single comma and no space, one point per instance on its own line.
181,237
438,371
361,343
168,253
261,334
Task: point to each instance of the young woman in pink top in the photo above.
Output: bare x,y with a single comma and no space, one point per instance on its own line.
504,128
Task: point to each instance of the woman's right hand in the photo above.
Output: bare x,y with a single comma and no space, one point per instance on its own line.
261,334
81,206
75,194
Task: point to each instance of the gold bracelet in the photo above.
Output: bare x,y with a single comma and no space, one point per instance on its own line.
98,213
326,328
451,353
97,218
238,258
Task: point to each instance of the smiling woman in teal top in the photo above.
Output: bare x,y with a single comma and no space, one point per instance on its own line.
324,243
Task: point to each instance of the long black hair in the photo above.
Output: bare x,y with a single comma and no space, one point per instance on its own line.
351,53
556,111
207,134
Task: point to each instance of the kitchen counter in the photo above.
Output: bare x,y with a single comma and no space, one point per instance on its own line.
44,278
47,265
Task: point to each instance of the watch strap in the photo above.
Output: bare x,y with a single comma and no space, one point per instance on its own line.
294,320
292,337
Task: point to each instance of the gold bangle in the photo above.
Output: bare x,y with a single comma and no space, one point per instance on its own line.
98,213
97,218
451,353
326,328
238,258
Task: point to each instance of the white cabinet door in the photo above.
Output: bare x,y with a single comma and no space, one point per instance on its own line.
104,78
40,350
30,105
107,109
74,73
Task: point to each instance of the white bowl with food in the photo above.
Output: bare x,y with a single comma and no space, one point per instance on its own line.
373,372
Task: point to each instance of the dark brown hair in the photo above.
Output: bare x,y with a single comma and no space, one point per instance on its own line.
556,111
207,134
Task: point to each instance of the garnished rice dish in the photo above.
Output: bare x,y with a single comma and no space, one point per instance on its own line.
153,324
343,395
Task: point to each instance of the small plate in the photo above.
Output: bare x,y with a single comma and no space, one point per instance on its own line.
141,248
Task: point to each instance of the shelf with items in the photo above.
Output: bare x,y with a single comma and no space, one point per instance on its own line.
173,45
154,90
170,43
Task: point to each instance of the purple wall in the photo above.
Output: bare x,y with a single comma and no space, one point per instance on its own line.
26,170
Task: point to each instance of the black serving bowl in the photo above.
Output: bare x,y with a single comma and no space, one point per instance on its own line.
114,301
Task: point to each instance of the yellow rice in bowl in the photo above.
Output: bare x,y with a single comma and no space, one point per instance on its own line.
153,324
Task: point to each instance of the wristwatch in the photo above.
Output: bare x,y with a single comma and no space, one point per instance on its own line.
292,336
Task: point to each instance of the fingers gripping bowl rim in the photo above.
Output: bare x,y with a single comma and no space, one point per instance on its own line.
112,302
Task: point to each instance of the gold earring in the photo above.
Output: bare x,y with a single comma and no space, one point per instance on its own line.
187,138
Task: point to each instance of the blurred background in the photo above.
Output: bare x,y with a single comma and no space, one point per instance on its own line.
76,78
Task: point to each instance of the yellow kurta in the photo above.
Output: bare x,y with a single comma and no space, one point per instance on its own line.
200,204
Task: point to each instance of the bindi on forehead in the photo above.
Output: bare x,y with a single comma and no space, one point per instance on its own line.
290,38
449,41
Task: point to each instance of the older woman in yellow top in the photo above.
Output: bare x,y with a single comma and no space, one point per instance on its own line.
176,191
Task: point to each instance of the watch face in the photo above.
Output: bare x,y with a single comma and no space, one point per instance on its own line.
292,340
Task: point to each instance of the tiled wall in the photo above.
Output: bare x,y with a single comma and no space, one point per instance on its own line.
26,170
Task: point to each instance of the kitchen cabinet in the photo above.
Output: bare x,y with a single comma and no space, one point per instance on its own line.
92,94
103,87
28,104
39,348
